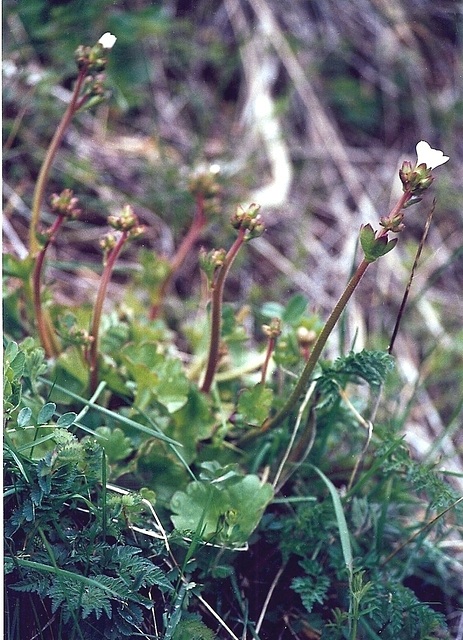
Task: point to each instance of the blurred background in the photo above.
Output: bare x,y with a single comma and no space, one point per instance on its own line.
309,107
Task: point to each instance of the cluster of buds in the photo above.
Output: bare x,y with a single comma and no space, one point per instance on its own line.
204,184
93,59
248,219
415,180
394,222
127,228
210,261
65,204
92,62
272,330
108,242
126,221
418,178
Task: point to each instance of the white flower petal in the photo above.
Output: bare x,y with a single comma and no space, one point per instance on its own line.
432,158
107,40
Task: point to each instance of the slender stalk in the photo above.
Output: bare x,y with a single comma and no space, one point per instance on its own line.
44,328
42,179
216,311
317,350
410,280
268,355
98,309
199,222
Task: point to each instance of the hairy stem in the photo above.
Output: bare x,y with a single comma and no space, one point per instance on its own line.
42,179
216,312
97,311
44,326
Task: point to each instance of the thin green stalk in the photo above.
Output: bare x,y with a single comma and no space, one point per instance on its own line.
98,309
42,179
216,311
303,381
44,326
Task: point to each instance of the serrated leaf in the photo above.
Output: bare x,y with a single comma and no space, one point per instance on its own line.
116,445
254,404
46,413
312,589
156,377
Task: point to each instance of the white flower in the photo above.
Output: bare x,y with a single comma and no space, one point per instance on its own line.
107,40
432,158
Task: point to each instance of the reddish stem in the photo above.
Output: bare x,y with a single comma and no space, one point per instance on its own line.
216,311
42,179
97,311
199,221
43,327
268,355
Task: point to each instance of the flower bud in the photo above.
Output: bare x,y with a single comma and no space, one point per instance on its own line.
272,330
108,242
211,261
125,221
65,204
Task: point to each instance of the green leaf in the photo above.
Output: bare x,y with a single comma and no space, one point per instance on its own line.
11,352
341,520
46,413
192,630
254,404
24,417
66,419
156,377
374,247
226,515
116,445
272,310
295,309
17,268
73,363
173,387
17,364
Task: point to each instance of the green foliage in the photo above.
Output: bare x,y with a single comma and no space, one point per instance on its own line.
353,520
374,247
224,507
313,586
192,630
371,367
254,404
